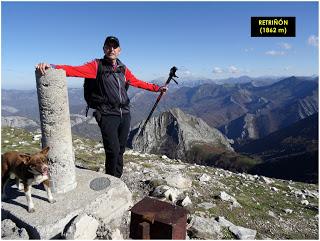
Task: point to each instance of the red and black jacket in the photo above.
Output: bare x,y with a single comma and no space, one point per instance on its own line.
111,83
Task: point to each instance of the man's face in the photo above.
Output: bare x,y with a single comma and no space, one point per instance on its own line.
111,50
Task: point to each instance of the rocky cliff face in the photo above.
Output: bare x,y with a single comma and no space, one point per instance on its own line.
174,133
20,122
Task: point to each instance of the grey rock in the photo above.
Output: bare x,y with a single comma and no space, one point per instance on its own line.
226,197
239,232
206,205
9,109
178,180
271,214
243,233
116,235
204,178
9,231
312,194
274,189
204,228
19,122
224,222
288,211
186,201
266,180
82,227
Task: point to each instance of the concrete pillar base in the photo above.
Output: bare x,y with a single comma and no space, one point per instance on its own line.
98,195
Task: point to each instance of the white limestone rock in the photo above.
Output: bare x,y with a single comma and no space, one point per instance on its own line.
274,189
204,178
9,231
243,233
205,228
226,197
266,180
271,214
178,180
223,222
83,227
206,205
288,211
116,235
186,201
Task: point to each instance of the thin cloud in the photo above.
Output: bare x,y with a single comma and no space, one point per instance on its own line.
248,49
184,71
285,46
232,69
275,53
313,41
217,70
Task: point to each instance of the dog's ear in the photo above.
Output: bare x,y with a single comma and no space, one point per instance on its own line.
24,158
45,151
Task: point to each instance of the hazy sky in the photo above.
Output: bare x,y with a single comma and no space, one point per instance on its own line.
209,39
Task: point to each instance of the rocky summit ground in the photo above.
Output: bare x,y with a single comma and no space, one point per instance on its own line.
222,204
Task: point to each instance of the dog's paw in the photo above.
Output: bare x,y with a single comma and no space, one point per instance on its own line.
20,187
52,201
31,210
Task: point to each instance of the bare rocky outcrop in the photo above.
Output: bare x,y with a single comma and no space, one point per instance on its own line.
175,133
19,122
9,231
83,227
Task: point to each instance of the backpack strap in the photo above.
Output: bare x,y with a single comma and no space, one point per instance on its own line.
123,71
99,72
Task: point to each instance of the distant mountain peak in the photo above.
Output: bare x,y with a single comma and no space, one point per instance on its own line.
174,133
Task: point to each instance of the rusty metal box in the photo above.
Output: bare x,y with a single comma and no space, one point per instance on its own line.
154,219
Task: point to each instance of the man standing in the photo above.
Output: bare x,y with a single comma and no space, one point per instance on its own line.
113,111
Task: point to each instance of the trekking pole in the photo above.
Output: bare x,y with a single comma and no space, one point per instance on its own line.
171,75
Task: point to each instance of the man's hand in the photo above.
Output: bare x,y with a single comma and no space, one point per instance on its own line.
42,67
163,89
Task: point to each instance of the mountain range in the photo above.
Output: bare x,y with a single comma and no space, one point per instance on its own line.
290,153
242,111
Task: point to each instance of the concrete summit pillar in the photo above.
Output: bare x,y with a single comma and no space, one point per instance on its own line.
56,129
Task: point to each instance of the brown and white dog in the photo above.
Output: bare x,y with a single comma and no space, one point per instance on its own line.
29,169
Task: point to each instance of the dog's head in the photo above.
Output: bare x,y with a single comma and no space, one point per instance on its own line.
38,163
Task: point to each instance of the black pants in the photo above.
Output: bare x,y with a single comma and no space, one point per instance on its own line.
114,130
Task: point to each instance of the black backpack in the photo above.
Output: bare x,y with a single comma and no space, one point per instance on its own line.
91,90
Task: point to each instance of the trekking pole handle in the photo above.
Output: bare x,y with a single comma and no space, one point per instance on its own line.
172,74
